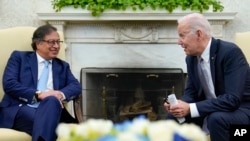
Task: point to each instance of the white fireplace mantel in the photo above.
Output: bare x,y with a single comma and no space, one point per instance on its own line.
125,39
70,15
83,15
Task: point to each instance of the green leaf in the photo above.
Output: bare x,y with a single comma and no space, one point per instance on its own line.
97,7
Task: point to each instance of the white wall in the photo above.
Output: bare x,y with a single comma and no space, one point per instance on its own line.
23,13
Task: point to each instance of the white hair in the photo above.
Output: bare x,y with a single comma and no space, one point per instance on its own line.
196,22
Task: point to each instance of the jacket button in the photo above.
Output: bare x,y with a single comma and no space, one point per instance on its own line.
20,105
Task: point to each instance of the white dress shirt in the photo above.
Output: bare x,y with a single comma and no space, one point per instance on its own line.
206,64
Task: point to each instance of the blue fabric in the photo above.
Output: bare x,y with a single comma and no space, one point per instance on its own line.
178,137
42,82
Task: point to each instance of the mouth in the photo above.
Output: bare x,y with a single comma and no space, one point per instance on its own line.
54,50
184,48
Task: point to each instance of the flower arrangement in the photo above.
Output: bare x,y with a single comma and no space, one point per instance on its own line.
138,129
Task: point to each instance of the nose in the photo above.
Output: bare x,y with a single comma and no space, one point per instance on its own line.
56,44
180,41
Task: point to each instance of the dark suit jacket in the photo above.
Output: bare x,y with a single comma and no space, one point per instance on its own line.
231,79
20,82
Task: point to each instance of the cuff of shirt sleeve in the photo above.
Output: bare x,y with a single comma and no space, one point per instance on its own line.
63,96
193,110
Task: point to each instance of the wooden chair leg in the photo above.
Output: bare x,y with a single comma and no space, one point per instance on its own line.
77,102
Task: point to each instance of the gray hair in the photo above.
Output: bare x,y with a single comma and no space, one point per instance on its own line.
196,22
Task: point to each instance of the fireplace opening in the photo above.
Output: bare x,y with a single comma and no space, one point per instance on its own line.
119,94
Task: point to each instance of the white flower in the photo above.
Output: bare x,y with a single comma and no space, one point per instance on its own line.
192,132
63,130
82,130
94,128
127,136
139,129
162,130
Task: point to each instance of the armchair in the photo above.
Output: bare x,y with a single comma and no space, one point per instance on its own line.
19,38
242,39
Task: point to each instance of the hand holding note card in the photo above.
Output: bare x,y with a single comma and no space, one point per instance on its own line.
173,100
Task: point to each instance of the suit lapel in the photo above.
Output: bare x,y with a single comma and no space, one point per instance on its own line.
213,52
32,60
55,74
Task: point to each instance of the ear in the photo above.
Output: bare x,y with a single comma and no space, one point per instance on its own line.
199,33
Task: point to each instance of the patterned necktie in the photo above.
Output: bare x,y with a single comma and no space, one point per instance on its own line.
42,82
204,79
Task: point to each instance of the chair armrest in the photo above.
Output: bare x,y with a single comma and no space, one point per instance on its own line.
77,102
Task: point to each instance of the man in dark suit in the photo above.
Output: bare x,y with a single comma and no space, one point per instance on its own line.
222,98
25,107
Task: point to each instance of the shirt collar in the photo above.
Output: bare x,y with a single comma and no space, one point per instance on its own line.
206,53
40,59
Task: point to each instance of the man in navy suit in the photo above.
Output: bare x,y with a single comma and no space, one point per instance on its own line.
224,98
20,78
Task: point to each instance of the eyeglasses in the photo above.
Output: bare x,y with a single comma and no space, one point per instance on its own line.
53,42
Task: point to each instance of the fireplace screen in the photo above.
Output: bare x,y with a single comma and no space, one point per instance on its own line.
118,94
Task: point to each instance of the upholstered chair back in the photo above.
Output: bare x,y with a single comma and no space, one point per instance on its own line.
242,39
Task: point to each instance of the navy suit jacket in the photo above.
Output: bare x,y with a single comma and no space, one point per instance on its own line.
231,78
20,82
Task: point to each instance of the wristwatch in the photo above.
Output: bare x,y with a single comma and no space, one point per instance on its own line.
37,93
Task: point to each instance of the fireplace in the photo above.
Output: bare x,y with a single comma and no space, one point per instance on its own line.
123,93
105,52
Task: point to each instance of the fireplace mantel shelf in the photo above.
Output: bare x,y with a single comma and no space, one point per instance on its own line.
129,16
